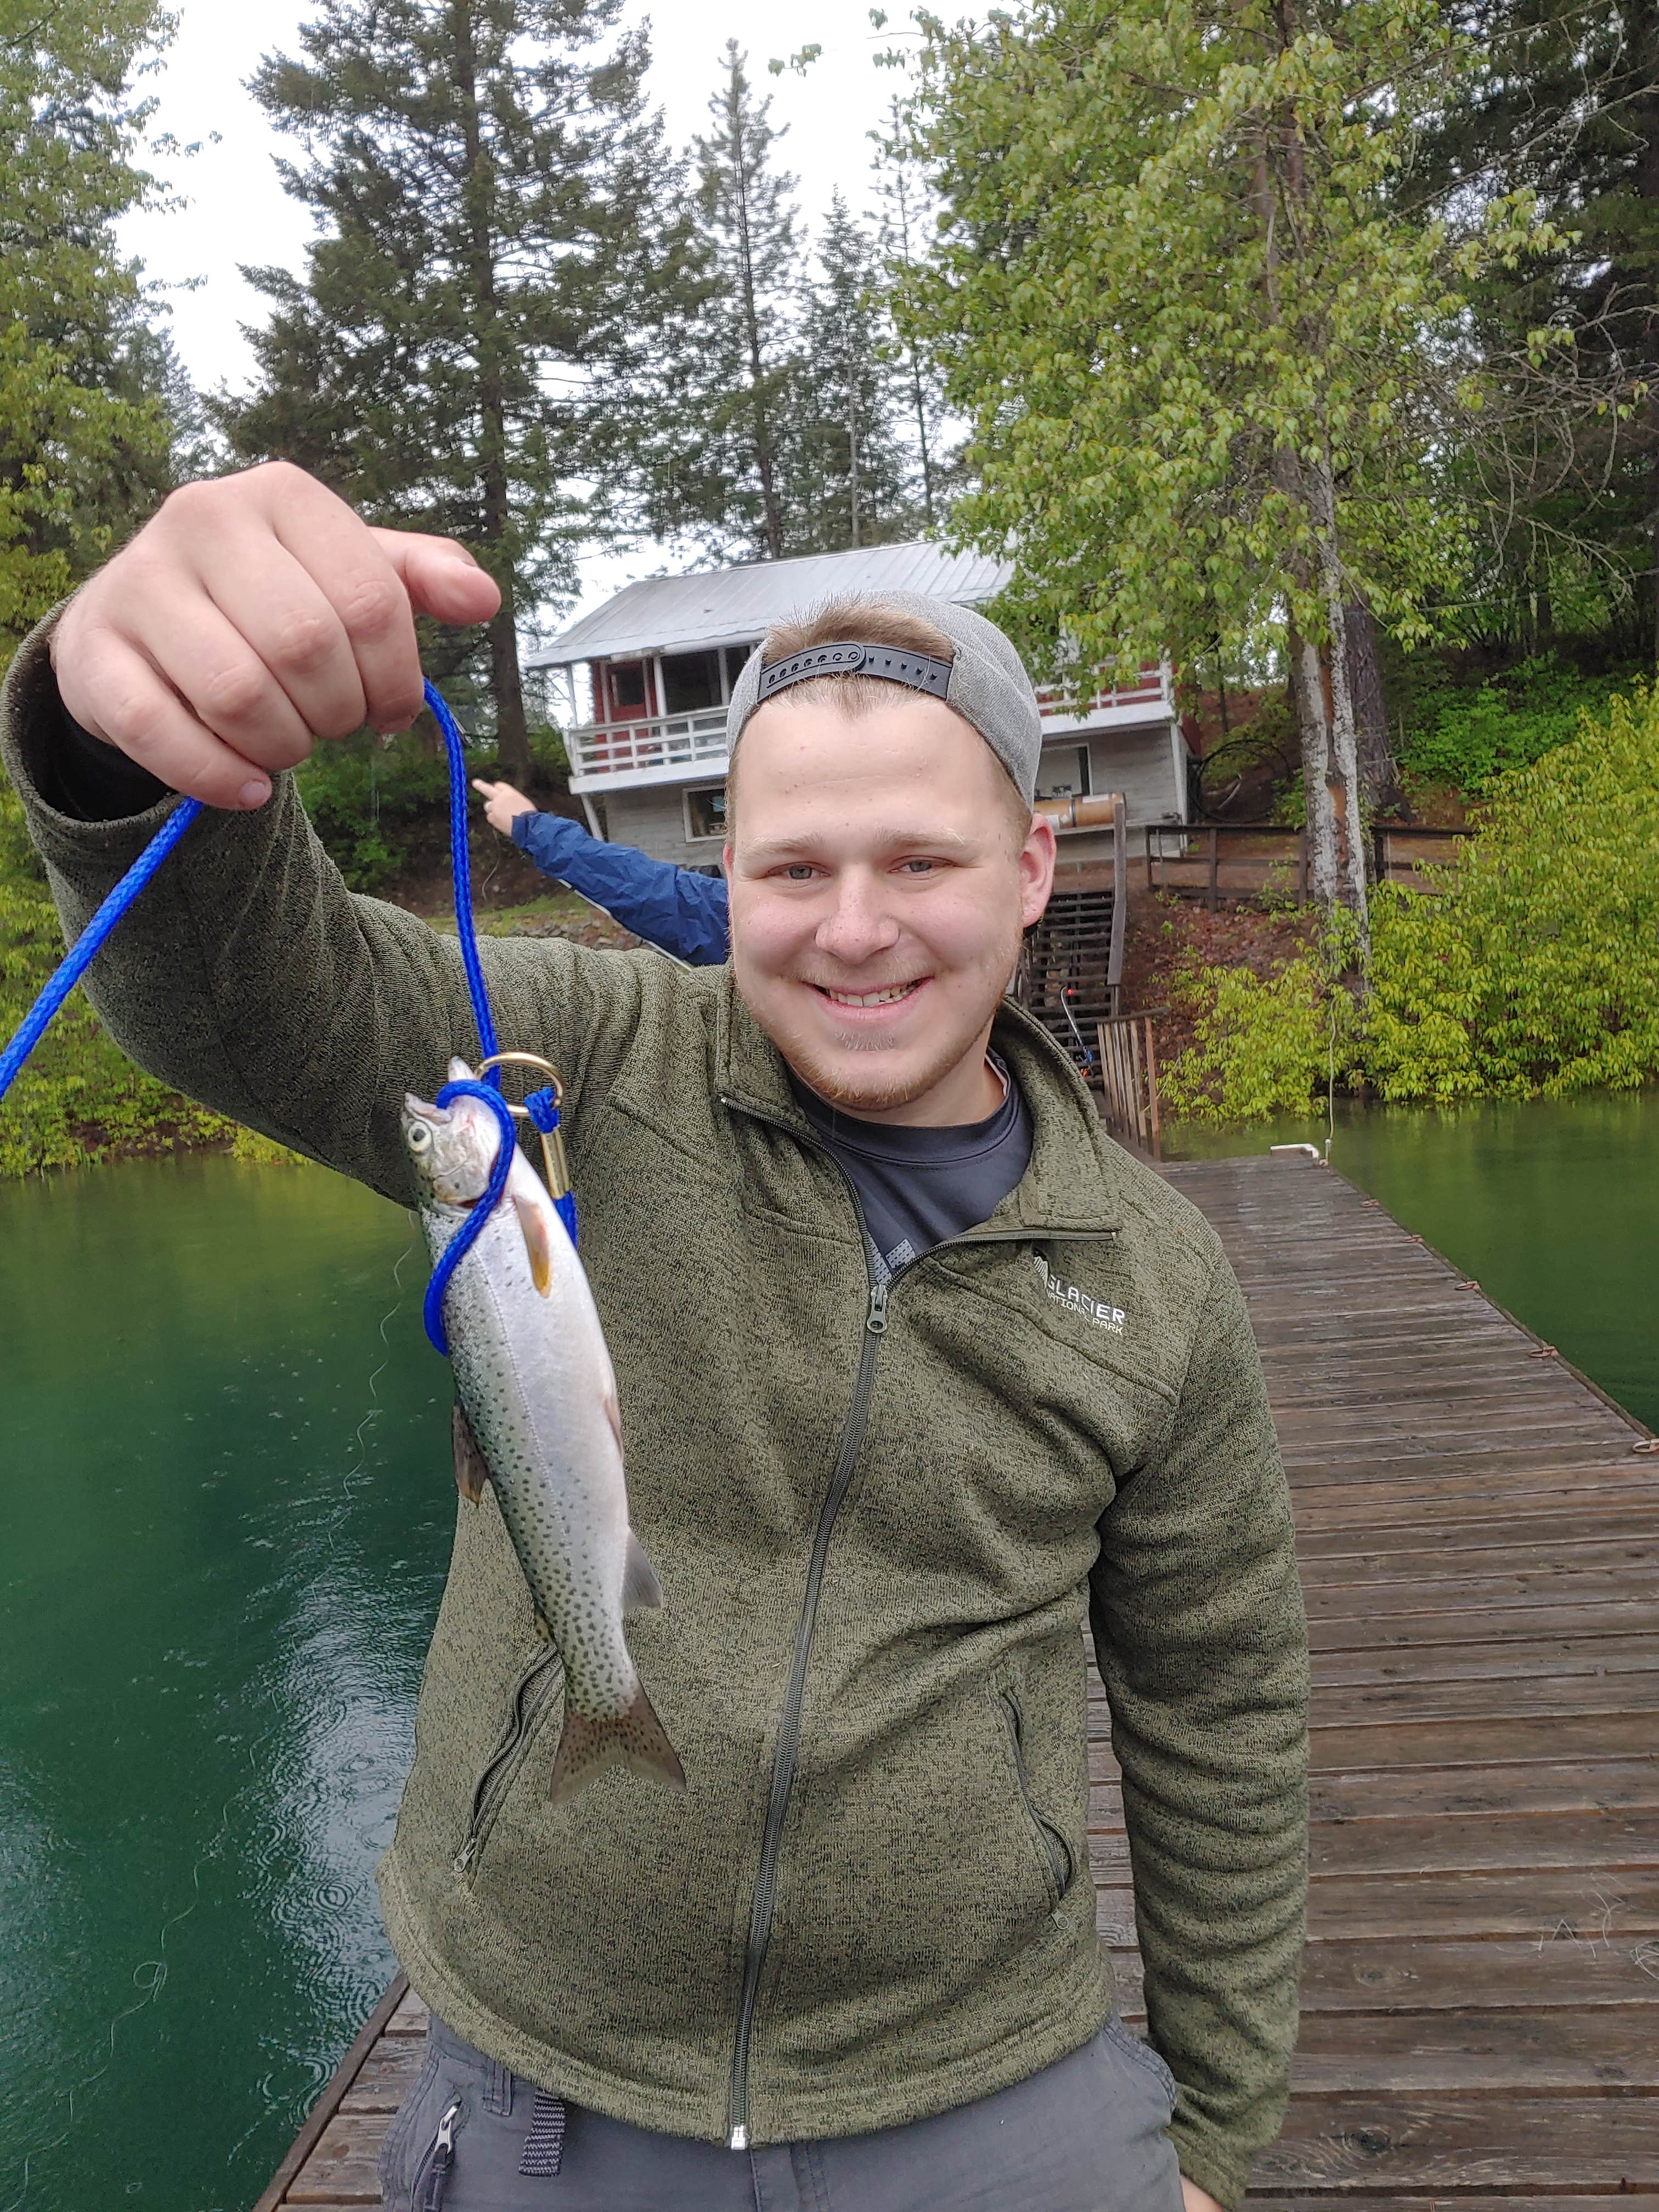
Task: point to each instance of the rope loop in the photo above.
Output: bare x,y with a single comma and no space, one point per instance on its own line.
460,859
472,1228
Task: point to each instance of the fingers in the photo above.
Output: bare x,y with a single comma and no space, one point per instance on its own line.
159,730
262,613
441,576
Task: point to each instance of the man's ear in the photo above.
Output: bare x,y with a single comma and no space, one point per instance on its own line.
1038,856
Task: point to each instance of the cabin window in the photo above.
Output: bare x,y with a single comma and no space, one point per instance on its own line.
735,657
705,813
1063,772
628,686
691,682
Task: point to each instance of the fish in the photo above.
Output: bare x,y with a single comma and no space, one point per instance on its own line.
536,1417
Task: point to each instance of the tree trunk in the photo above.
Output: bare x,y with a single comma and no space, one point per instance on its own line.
1308,690
1379,771
1344,739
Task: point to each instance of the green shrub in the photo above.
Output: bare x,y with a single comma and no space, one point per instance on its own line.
376,805
1260,1046
1467,738
1536,967
78,1095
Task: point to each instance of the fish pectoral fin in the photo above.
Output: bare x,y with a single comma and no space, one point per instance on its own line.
635,1739
472,1469
639,1584
536,1236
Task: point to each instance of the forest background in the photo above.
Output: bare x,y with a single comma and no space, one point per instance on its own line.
1313,346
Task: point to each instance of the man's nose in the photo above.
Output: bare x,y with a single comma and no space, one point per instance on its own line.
858,924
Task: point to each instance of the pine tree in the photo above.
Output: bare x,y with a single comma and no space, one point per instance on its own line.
85,435
852,476
1564,104
903,198
724,465
496,205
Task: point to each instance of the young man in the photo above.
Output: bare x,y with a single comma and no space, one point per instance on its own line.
676,909
915,1367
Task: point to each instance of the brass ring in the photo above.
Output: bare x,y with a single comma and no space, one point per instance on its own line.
525,1059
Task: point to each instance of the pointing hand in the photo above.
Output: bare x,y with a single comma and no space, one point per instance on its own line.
501,804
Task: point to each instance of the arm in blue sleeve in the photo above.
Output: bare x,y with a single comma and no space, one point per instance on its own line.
683,912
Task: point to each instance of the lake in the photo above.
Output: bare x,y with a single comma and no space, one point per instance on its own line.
229,1508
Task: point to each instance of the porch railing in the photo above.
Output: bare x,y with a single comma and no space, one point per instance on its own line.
650,742
1216,860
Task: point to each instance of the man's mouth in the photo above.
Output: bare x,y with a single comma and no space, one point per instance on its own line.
889,995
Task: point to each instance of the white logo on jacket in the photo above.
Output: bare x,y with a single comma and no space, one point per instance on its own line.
1067,1294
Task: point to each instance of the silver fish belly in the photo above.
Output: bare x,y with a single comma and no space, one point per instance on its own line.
535,1382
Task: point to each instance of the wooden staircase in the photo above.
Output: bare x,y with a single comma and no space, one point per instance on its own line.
1073,962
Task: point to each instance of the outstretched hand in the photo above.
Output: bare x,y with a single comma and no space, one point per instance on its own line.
253,614
503,804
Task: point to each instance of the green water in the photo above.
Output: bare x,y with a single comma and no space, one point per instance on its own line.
227,1515
228,1508
1552,1205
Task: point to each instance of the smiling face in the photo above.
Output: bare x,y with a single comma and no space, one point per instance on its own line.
882,869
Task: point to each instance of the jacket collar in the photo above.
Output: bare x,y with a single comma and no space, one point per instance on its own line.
1070,1184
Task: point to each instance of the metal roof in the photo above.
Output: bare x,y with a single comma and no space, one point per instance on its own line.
734,606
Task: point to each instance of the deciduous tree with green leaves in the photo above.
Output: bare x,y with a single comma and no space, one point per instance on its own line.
498,229
85,434
1209,367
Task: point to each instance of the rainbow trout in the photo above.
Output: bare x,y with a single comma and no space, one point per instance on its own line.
538,1416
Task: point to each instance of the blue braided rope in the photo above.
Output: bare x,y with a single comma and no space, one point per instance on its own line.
543,1110
432,1312
81,953
460,856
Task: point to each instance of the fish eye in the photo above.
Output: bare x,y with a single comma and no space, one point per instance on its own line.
419,1137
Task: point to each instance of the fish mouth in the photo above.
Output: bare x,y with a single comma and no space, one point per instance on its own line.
422,1110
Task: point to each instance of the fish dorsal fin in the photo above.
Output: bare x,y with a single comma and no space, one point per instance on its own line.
472,1469
639,1584
613,1413
538,1241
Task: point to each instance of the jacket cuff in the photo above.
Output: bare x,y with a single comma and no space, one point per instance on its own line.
521,826
66,776
1203,2160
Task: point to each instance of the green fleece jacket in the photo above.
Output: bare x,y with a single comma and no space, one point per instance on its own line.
877,1529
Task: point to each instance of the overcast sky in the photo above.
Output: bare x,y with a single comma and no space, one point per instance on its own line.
237,211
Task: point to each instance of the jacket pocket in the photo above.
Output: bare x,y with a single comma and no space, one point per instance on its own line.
1054,1853
538,1684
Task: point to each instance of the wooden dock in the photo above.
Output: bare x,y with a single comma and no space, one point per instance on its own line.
1480,1542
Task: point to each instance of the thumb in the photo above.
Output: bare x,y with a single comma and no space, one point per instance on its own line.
441,576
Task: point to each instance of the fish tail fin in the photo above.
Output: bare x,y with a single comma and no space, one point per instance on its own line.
635,1739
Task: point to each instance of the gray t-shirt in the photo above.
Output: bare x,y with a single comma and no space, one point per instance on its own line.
917,1186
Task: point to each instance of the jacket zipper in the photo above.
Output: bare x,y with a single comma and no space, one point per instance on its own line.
783,1759
1054,1849
789,1745
497,1777
432,2176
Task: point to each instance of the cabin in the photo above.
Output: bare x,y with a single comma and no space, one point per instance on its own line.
646,679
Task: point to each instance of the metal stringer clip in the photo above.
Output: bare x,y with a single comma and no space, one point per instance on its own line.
543,1108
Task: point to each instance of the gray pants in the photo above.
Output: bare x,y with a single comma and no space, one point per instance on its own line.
1085,2135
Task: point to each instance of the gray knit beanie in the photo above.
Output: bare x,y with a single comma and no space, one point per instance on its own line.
984,681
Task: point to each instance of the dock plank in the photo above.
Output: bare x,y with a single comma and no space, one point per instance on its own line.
1479,1528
